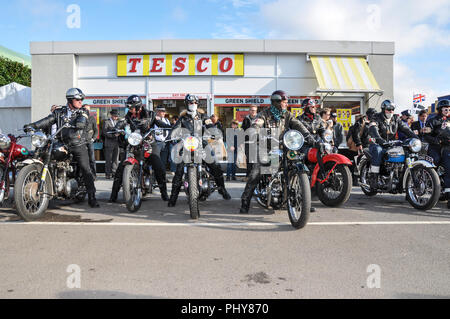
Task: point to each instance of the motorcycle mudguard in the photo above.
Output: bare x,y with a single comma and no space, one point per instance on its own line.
131,161
29,161
416,163
337,158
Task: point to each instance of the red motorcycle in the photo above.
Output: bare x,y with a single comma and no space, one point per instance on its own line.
331,173
10,154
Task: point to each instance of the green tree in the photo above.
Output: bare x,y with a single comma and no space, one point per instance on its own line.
11,71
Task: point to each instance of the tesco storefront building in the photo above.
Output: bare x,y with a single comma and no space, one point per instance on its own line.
227,75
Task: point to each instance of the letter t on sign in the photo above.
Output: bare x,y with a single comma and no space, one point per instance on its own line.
134,62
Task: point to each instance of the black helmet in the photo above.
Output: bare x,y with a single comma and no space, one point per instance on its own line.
75,93
370,112
443,103
278,96
387,104
190,98
309,102
134,101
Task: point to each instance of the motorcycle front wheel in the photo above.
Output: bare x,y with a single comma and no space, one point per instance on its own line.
193,192
299,199
29,204
131,193
424,193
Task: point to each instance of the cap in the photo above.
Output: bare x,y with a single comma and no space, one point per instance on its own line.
114,113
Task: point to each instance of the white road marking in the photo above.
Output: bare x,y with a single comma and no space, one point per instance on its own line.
205,224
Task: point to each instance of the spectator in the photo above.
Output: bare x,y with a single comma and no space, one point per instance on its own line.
338,130
111,145
418,126
215,119
232,147
162,149
405,117
325,116
246,123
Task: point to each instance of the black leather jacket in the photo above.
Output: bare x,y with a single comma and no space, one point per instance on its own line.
384,132
315,125
70,136
190,123
144,121
440,132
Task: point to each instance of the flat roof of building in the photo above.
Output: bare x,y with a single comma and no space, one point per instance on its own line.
212,46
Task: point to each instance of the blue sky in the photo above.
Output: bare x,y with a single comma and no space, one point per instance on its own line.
420,29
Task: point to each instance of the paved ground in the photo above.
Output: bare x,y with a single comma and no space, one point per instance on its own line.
159,252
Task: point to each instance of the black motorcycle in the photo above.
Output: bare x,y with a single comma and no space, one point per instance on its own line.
50,174
286,185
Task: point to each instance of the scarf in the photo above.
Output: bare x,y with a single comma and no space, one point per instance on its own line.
276,112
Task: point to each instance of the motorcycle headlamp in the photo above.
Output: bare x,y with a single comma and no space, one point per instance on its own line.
415,145
293,140
38,139
191,143
5,141
134,139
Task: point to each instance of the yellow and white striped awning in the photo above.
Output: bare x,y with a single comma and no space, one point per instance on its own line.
344,74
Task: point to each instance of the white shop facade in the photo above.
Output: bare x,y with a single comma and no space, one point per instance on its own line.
227,75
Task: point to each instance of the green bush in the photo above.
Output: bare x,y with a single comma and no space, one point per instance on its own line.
11,71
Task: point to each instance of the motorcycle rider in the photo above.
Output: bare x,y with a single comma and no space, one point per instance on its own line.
139,118
439,140
310,119
74,137
383,128
186,120
275,117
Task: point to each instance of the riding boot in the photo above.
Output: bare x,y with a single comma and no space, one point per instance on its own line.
163,191
222,191
245,206
173,200
92,201
114,192
373,180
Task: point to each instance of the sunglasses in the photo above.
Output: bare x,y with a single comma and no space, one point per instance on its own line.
446,109
390,109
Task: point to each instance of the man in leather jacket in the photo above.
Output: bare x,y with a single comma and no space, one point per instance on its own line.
383,128
277,119
439,140
139,118
74,137
187,121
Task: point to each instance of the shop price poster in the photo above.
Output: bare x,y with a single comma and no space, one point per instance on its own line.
344,116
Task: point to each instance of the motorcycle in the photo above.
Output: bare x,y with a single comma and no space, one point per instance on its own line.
198,181
405,168
50,174
11,153
138,176
287,185
330,171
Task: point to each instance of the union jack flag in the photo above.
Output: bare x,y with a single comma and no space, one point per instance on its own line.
417,98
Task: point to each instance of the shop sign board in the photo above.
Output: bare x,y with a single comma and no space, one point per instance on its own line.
109,101
180,64
262,100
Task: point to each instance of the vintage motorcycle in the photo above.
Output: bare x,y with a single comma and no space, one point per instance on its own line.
405,168
198,181
330,172
287,184
11,153
138,176
50,174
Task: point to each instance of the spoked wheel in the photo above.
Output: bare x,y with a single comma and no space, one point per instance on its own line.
336,190
193,192
31,205
364,179
260,193
131,192
424,192
299,199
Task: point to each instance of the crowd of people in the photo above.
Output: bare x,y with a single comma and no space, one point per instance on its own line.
369,131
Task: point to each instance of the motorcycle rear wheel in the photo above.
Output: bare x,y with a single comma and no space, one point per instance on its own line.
364,178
